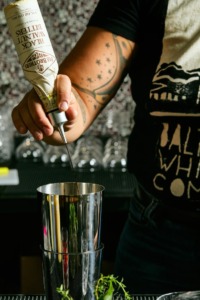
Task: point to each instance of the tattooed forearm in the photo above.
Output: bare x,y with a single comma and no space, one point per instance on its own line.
100,97
107,72
82,107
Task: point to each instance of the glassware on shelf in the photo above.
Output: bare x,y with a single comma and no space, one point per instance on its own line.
6,135
115,153
88,154
30,150
57,155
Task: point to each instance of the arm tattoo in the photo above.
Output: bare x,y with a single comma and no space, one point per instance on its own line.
111,75
82,107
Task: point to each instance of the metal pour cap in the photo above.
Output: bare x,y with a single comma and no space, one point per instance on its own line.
57,117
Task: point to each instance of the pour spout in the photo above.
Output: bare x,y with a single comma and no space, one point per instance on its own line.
58,120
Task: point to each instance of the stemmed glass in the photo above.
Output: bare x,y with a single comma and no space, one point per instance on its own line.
30,150
88,154
57,155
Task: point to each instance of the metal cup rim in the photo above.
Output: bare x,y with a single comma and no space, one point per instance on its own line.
100,248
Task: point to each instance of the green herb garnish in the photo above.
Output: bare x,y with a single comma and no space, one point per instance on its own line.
64,293
105,288
107,285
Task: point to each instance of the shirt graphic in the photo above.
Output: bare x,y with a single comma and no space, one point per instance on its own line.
175,102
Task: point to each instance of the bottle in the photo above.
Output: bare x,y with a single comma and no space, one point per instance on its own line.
36,54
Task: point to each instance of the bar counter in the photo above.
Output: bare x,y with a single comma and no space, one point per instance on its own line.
42,297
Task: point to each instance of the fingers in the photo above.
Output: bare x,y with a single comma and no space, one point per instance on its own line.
63,89
29,115
38,121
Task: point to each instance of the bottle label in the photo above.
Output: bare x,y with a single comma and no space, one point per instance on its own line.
34,48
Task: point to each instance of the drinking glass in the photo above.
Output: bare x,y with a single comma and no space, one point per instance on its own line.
75,273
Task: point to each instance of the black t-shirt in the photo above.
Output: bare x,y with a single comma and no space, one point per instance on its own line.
164,147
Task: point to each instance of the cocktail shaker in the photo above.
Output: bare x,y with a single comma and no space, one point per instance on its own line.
71,229
71,216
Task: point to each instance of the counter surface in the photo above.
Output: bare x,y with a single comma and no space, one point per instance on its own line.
42,297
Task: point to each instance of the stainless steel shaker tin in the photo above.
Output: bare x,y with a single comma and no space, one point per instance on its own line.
71,216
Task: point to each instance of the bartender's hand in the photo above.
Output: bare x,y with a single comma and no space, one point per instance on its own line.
29,114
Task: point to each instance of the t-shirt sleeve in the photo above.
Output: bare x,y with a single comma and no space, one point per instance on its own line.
121,17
